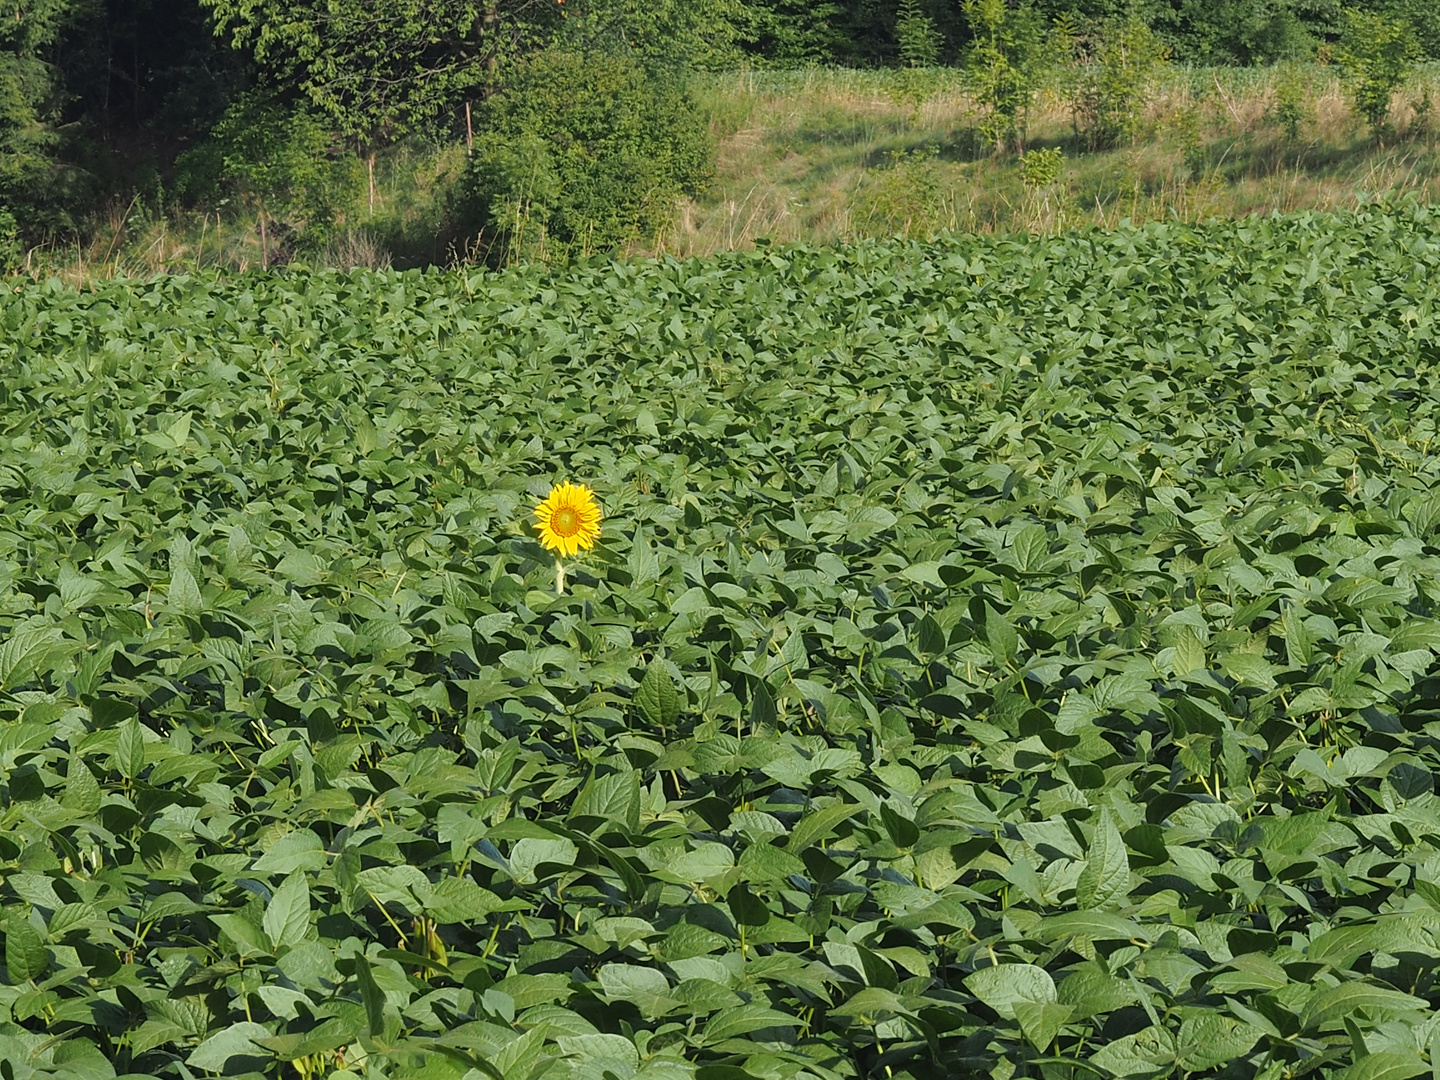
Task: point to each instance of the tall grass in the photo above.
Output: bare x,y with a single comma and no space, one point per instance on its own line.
824,156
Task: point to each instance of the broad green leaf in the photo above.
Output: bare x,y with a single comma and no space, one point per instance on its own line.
26,956
1000,634
1385,1065
130,749
1000,987
287,917
1212,1040
82,791
529,855
658,697
1332,1003
299,850
819,824
236,1049
1041,1021
184,595
614,797
1106,877
24,652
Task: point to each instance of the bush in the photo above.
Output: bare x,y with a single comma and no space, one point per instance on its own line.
912,197
1290,110
1011,54
279,161
1119,63
12,251
1376,52
579,153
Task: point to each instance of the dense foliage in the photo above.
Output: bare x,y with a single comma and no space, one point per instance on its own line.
999,659
582,153
100,100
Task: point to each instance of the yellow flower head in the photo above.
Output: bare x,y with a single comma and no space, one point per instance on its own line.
569,520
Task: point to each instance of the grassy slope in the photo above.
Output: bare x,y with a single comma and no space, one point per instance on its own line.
831,156
822,156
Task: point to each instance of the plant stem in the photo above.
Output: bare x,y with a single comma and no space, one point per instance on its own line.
559,578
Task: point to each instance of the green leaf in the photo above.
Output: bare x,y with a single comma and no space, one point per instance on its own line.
26,956
819,824
614,797
747,908
299,850
1092,925
1030,550
184,597
658,698
371,996
643,565
234,1050
1041,1021
24,653
1004,642
1106,877
742,1020
1002,986
130,749
287,916
1295,834
871,1004
1384,1065
1334,1002
82,791
529,855
1212,1039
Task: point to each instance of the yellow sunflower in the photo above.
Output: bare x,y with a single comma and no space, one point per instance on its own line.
569,520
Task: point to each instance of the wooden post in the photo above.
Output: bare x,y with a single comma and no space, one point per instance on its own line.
469,131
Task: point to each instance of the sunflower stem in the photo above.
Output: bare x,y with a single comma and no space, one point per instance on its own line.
559,578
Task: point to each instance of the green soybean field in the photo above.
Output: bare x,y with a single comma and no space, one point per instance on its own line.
1000,658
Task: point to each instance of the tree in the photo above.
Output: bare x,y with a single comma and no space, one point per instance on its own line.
1377,52
581,154
279,162
1010,55
790,32
1118,62
383,67
28,101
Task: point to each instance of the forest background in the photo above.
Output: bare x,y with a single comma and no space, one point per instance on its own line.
150,135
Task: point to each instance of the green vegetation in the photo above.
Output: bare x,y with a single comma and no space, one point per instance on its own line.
118,114
1000,659
821,157
582,153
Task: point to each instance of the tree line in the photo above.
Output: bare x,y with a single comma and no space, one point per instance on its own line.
100,95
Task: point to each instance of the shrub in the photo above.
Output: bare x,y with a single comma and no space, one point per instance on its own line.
1290,110
12,251
912,197
579,153
916,39
1118,63
279,161
1010,56
1041,172
1376,51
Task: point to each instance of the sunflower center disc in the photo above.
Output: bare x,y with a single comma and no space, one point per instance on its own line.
566,522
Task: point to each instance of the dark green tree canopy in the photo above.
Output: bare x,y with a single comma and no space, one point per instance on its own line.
383,68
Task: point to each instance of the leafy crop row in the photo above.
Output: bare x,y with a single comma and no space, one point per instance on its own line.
999,659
